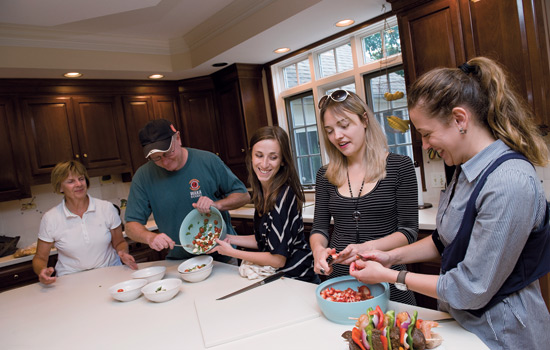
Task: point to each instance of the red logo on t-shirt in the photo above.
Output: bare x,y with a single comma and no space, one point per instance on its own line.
194,185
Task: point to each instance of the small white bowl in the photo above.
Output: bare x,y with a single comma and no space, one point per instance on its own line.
162,290
197,274
127,290
151,274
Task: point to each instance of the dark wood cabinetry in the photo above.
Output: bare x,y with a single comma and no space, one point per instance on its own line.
138,111
241,110
21,274
446,33
14,181
88,129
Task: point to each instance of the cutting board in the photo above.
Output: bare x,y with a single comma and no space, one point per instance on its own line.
271,306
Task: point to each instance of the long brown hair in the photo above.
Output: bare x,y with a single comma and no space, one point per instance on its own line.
377,144
264,202
482,86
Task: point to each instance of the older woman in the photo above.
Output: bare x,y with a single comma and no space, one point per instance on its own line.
86,231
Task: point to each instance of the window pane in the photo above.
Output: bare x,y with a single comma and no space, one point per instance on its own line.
397,83
327,64
305,171
344,58
349,87
309,110
372,47
300,139
304,73
391,41
316,165
378,87
297,113
290,77
313,139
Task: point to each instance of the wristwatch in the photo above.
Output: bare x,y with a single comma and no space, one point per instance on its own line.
400,283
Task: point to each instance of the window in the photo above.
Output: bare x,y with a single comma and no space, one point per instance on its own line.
374,49
336,60
304,136
296,74
390,81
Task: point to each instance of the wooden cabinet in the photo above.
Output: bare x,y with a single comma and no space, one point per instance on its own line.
199,115
446,33
14,182
21,274
88,129
242,110
138,111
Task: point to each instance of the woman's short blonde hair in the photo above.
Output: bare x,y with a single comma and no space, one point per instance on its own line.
62,171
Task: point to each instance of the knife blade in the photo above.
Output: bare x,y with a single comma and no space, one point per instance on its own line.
254,285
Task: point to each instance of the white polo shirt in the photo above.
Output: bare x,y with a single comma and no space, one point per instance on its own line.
82,243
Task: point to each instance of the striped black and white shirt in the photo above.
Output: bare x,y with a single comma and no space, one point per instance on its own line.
391,206
281,231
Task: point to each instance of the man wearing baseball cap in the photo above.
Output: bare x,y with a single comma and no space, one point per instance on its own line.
174,181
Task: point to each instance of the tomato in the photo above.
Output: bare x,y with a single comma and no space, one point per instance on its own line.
201,230
205,221
120,290
215,222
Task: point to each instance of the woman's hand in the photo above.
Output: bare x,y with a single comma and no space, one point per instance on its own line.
45,276
320,256
223,247
369,271
349,254
127,259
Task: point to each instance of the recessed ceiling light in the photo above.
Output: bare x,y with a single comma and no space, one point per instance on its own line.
282,50
344,23
156,76
72,75
220,64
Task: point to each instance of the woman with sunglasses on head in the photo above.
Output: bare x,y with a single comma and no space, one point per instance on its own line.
492,223
278,239
370,193
86,231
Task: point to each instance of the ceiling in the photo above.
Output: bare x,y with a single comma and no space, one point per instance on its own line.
131,39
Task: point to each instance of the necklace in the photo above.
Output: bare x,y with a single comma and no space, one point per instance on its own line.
356,213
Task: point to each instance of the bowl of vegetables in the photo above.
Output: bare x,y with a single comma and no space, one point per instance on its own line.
198,231
127,290
162,290
196,269
343,299
151,274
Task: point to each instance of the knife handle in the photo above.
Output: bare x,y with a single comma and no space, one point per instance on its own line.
273,277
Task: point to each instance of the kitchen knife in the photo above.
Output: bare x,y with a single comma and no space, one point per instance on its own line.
254,285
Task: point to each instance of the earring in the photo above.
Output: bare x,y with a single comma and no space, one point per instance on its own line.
462,131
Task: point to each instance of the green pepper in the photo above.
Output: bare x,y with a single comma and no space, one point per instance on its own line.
390,316
369,327
410,330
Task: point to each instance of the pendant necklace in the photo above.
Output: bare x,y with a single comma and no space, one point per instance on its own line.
356,213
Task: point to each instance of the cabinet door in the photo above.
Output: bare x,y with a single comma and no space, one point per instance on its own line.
50,132
14,183
138,111
199,128
102,134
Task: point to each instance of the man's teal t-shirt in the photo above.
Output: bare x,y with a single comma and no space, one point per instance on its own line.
169,195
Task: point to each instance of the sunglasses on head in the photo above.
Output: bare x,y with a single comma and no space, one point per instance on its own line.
336,96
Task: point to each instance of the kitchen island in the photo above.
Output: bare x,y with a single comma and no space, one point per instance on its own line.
77,312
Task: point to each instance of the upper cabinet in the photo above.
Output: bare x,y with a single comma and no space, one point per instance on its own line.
138,111
14,182
241,109
446,33
89,129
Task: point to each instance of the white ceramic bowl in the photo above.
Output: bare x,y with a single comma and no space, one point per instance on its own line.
127,290
162,290
151,274
197,274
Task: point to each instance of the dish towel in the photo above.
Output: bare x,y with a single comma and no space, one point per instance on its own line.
253,271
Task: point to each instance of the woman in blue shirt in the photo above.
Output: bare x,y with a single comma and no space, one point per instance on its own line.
494,240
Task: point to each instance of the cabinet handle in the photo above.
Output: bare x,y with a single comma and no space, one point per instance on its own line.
217,154
85,155
16,277
242,150
77,156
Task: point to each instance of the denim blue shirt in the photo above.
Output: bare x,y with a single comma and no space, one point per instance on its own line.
510,205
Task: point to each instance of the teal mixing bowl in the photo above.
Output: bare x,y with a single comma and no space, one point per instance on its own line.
347,313
198,227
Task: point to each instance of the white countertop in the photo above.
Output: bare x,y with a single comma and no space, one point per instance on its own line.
78,312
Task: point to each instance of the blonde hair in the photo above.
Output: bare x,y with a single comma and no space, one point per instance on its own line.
62,170
482,86
375,140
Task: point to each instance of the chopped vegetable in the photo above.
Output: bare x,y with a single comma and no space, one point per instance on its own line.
120,290
160,289
347,296
196,267
356,336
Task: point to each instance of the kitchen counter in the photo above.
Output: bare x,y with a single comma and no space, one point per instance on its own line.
426,217
80,306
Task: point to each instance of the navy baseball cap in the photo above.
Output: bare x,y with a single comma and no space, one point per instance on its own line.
156,136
